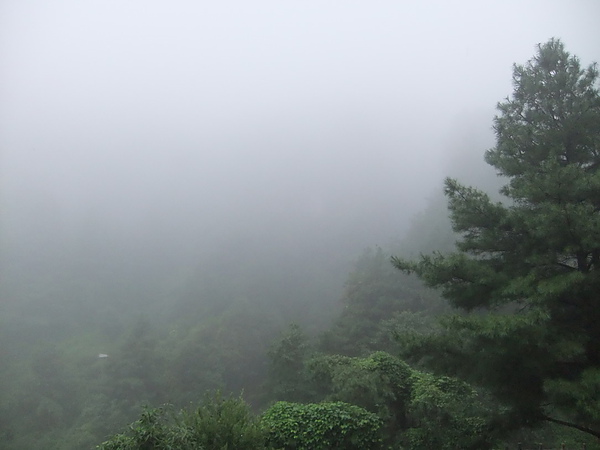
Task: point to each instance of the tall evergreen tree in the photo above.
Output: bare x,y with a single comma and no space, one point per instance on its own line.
529,267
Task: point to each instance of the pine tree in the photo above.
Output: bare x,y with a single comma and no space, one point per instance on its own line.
528,268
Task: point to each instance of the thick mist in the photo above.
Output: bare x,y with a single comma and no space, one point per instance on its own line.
180,181
147,146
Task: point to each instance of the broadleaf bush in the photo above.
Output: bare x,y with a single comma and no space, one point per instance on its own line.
321,426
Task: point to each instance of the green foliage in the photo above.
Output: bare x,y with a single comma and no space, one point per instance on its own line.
531,265
404,331
146,433
373,293
226,352
135,368
526,269
219,423
446,414
321,426
287,355
416,409
224,422
378,383
430,230
581,394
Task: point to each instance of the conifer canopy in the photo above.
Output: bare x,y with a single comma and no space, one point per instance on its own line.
528,268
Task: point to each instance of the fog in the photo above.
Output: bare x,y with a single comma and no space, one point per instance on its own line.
289,135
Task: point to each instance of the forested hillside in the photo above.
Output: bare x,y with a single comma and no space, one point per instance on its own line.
226,226
522,276
394,366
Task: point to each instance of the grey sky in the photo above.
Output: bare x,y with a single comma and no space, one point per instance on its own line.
266,112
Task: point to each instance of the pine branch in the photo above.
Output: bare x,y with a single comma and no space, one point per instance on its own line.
566,266
572,425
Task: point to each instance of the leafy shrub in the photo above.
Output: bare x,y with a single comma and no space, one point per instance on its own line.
224,423
149,432
321,426
446,413
218,424
380,383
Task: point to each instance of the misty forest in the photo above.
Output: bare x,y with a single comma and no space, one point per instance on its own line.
296,226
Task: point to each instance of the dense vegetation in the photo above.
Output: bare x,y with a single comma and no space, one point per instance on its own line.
530,264
389,366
